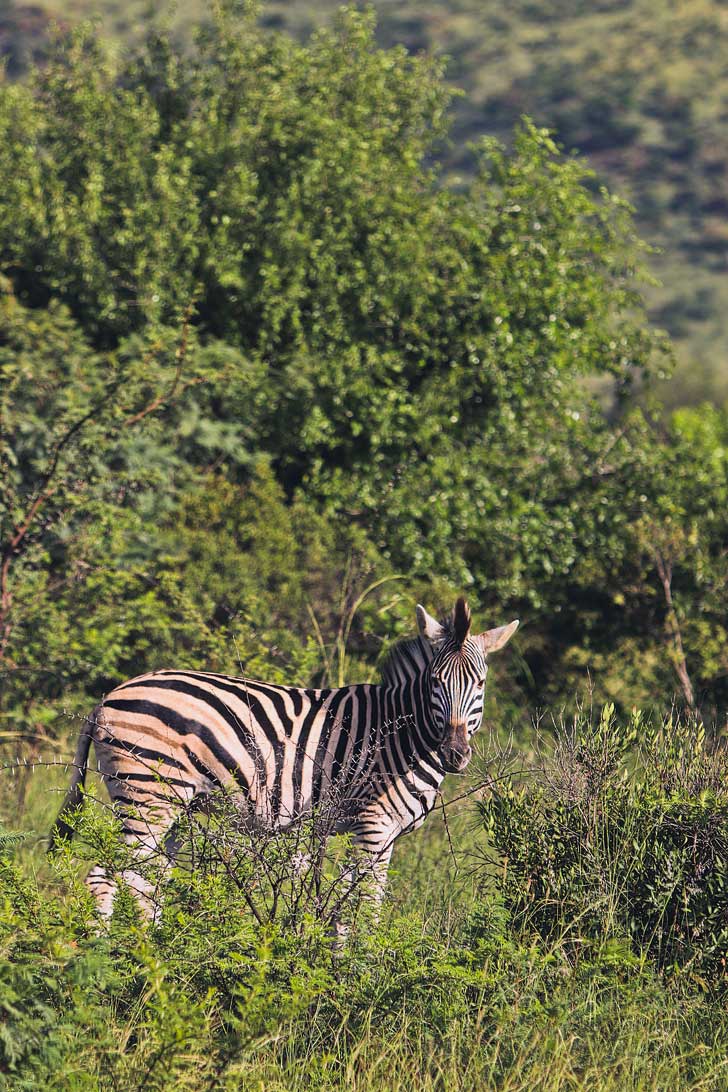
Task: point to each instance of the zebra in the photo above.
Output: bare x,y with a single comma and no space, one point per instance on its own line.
172,738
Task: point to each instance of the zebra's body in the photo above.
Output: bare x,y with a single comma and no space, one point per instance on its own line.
172,738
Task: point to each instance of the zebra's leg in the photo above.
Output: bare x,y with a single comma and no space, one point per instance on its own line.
364,873
103,888
149,834
373,865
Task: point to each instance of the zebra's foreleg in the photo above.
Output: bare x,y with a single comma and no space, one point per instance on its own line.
364,876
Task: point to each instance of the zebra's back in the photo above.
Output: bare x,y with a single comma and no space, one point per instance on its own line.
177,735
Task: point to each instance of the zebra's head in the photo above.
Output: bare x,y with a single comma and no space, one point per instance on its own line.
457,674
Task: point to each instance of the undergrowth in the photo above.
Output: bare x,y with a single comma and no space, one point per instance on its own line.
562,960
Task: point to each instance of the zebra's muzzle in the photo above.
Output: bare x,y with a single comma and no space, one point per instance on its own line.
455,750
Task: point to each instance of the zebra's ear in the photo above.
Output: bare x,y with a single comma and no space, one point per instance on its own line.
430,629
495,639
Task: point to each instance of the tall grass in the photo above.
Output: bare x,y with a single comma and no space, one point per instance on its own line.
482,973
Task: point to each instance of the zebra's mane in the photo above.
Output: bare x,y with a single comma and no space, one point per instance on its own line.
459,626
410,656
406,659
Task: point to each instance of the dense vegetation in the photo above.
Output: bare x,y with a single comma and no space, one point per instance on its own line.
240,299
606,973
267,374
637,87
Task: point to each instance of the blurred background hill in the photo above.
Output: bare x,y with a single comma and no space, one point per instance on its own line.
639,87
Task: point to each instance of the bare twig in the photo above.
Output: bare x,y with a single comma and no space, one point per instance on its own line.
664,571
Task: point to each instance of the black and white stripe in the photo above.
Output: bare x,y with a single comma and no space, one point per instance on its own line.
173,738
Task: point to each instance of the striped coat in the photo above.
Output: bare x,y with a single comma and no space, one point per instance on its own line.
170,739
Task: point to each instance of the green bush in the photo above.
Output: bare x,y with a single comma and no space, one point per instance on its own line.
603,846
211,997
238,272
403,350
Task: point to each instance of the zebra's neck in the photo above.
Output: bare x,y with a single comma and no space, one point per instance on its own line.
405,714
407,661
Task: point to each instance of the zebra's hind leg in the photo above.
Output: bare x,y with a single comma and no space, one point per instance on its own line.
149,835
103,888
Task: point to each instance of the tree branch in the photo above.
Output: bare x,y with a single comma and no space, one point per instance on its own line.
14,546
664,571
180,355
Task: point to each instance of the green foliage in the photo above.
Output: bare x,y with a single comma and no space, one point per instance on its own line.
636,88
651,607
457,995
226,585
260,266
243,172
598,851
305,363
260,358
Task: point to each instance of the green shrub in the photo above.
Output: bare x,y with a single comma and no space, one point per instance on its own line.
210,998
605,844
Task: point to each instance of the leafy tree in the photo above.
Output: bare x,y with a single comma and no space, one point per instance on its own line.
400,325
646,616
413,360
79,455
